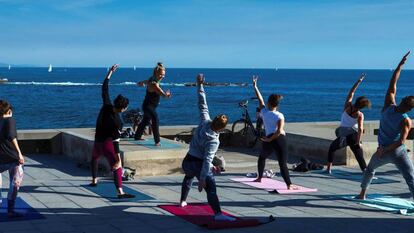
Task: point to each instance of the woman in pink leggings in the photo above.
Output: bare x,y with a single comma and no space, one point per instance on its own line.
107,136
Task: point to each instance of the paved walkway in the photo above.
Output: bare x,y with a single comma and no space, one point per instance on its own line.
53,186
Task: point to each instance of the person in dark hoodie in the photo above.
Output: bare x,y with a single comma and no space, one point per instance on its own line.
107,135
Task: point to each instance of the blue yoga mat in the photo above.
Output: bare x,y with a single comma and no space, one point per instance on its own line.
107,190
165,144
21,207
355,176
387,203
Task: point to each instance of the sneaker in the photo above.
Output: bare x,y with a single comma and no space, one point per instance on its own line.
125,196
374,178
251,175
222,217
183,204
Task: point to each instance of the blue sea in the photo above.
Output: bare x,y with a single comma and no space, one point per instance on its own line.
71,97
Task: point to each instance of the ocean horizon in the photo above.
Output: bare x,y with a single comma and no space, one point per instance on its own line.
71,98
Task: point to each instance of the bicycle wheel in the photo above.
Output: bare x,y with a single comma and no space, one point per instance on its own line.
239,127
246,132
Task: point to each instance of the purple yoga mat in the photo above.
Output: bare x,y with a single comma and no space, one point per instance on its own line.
270,185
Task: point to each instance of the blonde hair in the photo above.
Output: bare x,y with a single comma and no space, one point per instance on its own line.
219,122
158,68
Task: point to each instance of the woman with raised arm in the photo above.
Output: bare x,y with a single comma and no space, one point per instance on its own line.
198,161
275,140
394,128
107,135
151,101
351,128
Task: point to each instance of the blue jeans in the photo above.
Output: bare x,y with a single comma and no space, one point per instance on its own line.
400,158
13,189
192,168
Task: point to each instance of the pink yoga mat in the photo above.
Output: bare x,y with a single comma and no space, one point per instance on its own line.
202,215
270,185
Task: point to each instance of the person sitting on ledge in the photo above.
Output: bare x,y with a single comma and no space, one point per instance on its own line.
203,147
393,131
107,135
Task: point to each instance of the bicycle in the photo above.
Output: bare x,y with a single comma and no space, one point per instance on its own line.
245,128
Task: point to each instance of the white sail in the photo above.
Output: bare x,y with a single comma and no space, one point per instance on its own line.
50,68
135,67
9,67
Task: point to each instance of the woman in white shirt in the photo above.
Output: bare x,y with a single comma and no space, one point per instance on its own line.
275,140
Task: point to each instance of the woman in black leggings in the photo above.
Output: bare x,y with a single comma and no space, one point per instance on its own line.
351,128
275,139
151,101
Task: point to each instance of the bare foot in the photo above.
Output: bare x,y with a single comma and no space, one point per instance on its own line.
360,197
293,187
158,144
258,180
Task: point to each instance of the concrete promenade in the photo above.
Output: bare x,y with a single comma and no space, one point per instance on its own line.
52,185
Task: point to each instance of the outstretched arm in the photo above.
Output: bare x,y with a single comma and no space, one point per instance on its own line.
352,91
105,85
202,102
392,88
155,87
257,92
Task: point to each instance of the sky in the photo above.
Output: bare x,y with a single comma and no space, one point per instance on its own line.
207,33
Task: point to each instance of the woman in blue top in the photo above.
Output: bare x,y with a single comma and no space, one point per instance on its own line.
394,128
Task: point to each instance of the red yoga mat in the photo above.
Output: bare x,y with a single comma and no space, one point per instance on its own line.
202,215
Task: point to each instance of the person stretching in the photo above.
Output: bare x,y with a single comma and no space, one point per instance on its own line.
275,139
107,135
394,128
151,101
203,147
351,128
11,158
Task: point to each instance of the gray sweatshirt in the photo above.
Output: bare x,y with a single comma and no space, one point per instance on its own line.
205,141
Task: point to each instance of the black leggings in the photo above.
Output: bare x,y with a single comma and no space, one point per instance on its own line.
279,145
150,114
351,141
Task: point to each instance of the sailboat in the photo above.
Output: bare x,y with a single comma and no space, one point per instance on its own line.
135,67
50,68
9,67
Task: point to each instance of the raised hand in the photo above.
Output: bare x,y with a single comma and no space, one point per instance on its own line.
404,58
200,79
254,79
362,77
114,67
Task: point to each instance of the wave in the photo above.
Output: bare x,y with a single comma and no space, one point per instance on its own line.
120,84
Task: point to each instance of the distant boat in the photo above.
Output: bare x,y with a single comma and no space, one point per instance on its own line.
50,68
135,67
9,67
3,80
